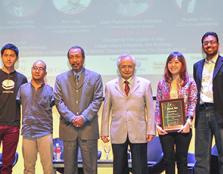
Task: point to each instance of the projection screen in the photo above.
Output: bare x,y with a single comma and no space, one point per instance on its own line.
147,29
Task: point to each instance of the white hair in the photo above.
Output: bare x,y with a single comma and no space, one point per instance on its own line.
125,56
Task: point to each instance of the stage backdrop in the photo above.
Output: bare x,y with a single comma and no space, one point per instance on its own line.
147,29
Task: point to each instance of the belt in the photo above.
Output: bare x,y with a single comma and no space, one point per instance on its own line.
206,105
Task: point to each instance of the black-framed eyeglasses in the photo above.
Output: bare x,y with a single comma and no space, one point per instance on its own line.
212,42
38,68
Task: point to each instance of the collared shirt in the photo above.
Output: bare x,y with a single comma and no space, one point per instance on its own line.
77,75
37,110
207,81
130,80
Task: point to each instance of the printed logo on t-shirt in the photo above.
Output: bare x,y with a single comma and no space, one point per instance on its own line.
8,85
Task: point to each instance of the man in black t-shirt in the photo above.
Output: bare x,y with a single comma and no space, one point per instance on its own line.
10,81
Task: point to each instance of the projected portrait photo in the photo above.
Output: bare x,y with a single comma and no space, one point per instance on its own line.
132,7
21,8
71,7
187,6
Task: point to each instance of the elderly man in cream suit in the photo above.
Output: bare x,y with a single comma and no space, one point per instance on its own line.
78,96
129,105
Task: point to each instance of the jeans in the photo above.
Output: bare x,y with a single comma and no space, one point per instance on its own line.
207,127
175,148
9,137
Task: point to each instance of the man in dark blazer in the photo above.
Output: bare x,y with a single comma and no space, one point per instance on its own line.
208,74
78,96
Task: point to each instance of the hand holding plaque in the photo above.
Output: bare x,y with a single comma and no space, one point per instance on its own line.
172,113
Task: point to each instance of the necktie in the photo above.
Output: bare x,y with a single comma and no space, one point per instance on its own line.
126,87
77,78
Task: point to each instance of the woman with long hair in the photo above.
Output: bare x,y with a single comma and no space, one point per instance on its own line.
176,84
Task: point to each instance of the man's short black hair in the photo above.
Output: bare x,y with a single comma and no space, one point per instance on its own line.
12,47
77,47
210,33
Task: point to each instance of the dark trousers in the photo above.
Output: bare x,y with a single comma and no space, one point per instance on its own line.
175,148
139,158
89,152
207,127
9,136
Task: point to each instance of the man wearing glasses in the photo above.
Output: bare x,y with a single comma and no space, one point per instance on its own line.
37,100
208,74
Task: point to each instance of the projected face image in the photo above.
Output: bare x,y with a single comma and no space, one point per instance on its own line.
174,66
132,7
126,68
71,7
75,59
187,6
21,8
